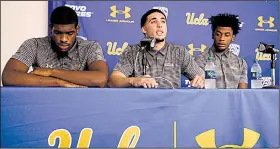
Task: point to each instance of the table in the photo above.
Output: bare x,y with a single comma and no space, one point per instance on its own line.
129,117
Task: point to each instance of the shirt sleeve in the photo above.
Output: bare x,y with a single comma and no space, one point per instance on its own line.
189,66
125,62
244,72
201,61
95,53
27,52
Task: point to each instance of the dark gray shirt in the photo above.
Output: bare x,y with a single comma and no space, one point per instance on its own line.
165,65
230,69
38,52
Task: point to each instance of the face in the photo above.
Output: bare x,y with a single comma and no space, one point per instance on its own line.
223,36
64,36
155,26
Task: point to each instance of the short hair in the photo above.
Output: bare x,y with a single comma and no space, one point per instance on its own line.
63,15
225,20
145,16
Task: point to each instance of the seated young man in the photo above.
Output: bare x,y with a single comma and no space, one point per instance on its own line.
61,59
231,70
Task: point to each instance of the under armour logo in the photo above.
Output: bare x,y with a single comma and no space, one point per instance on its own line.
207,139
115,11
261,21
192,49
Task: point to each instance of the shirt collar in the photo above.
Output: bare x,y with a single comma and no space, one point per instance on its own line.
226,53
162,51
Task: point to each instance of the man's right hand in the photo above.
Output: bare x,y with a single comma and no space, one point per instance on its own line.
63,83
146,81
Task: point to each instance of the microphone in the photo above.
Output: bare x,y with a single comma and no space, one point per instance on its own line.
267,48
148,42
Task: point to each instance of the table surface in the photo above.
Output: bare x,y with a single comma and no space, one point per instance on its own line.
31,114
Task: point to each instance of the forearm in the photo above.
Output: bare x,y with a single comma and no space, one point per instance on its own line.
16,78
86,78
120,82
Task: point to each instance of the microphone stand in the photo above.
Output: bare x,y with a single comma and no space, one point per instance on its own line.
146,44
272,66
144,59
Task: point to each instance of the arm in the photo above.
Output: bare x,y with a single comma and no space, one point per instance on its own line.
123,69
243,83
118,79
15,74
190,67
201,61
192,70
96,76
15,71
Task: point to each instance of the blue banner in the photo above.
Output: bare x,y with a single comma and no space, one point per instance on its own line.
91,117
116,24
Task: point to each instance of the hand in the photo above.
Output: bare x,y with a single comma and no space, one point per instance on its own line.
146,81
45,72
198,81
63,83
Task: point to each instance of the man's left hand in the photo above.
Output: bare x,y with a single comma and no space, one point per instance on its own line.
45,72
198,81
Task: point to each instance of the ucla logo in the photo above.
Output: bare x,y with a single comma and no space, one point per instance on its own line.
263,56
192,20
114,14
128,139
113,50
65,139
192,49
270,23
207,139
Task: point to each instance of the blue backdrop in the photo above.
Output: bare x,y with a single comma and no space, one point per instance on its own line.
116,24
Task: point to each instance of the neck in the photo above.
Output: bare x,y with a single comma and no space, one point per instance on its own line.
159,45
220,51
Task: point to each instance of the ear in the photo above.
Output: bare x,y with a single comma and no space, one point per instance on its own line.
78,29
50,27
144,30
233,37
